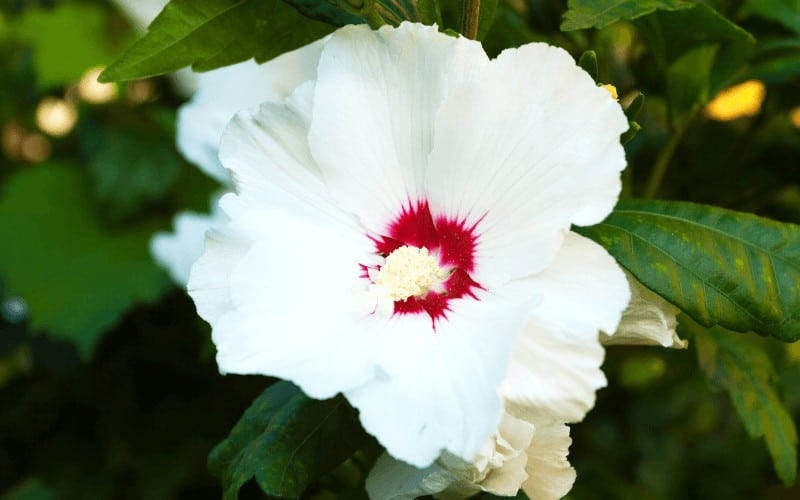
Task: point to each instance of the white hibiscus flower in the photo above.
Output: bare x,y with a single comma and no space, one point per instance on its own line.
220,94
412,168
518,455
648,320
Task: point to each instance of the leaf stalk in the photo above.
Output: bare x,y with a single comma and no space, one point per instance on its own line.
662,164
471,18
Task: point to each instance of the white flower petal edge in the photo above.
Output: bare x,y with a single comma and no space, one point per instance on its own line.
322,187
511,150
555,367
201,121
178,250
382,90
223,92
648,320
498,467
448,398
520,455
550,476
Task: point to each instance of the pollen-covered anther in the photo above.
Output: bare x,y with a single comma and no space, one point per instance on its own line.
409,272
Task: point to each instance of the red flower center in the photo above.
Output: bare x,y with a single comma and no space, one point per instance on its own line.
450,239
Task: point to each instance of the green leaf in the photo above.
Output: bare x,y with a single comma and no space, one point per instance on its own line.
130,162
486,17
325,11
636,105
29,489
739,365
76,277
396,11
776,61
785,12
721,267
286,440
430,12
584,14
670,34
689,82
67,40
588,63
215,33
628,135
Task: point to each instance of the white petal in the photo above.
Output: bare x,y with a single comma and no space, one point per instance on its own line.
178,250
290,311
266,151
223,92
499,468
526,149
552,375
209,278
648,320
512,442
584,289
376,97
555,368
550,476
448,399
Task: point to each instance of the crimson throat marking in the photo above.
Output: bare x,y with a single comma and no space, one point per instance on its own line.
451,239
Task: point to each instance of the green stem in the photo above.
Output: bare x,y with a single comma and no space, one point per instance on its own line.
662,163
470,18
372,17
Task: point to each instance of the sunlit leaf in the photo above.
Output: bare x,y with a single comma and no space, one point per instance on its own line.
740,366
722,267
584,14
215,33
76,277
286,440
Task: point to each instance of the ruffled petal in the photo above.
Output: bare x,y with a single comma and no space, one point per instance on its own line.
498,468
209,278
648,320
524,150
448,399
584,290
223,92
282,304
552,375
550,476
555,368
376,96
266,151
178,250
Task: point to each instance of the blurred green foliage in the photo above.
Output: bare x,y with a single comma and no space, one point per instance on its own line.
108,387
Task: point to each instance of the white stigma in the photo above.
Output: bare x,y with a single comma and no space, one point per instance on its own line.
409,272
